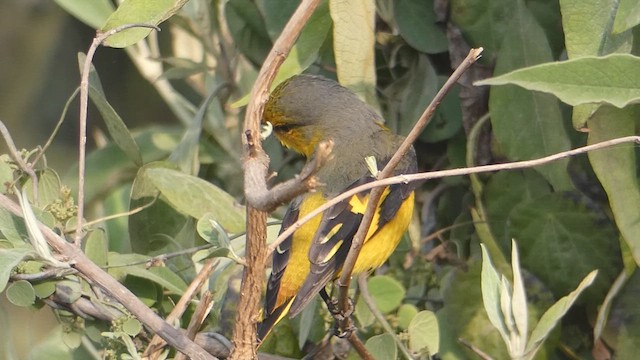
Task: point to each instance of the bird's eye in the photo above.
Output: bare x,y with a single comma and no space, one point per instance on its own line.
284,128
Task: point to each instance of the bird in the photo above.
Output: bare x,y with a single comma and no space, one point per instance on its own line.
304,111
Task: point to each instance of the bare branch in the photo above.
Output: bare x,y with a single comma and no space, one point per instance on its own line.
78,260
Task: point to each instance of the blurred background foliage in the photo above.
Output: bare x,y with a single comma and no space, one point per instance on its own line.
180,92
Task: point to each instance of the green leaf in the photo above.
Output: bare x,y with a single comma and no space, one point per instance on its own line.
383,347
406,313
353,45
519,300
209,229
417,88
21,293
504,191
417,24
623,326
528,125
120,265
490,283
115,125
552,316
553,232
447,120
483,23
424,333
617,170
9,259
305,51
196,197
627,16
72,339
248,29
91,12
158,220
610,79
13,228
45,289
587,28
132,327
185,155
96,247
52,347
107,164
387,292
48,187
464,316
277,14
138,12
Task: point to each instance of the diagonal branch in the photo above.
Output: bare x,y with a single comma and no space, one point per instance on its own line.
79,261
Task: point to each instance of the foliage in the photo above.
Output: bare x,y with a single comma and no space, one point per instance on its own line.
564,75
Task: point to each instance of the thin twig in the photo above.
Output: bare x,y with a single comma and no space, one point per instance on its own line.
374,197
119,215
84,103
156,344
475,349
448,173
199,315
15,155
371,304
58,125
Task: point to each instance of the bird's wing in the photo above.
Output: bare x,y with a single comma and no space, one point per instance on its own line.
333,239
273,311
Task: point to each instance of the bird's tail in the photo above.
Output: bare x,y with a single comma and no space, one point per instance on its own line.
270,320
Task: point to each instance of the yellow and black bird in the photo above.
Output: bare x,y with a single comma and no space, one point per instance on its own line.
304,111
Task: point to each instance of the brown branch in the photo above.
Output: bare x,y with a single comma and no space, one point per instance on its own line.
155,346
78,260
256,165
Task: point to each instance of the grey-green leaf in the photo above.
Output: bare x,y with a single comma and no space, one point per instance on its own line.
611,79
616,168
10,258
424,333
196,197
91,12
138,12
383,347
417,24
526,124
21,293
551,317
